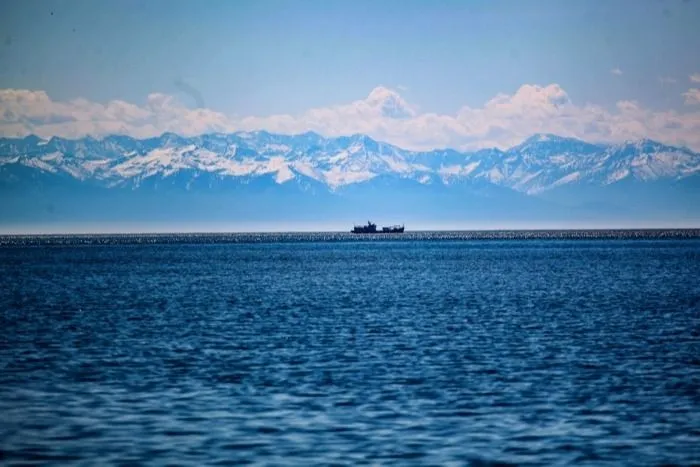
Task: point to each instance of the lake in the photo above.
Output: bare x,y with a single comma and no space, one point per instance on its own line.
442,350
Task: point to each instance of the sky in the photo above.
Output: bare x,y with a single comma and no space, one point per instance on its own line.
419,74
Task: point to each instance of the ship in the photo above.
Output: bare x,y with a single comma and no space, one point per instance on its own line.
372,228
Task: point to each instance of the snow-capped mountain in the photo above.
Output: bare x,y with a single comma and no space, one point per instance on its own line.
540,163
260,171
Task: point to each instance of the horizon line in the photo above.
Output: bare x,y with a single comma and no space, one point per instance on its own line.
78,233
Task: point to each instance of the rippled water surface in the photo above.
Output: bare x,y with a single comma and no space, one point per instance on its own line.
459,352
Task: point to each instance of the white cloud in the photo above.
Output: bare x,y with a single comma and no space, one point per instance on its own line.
616,71
667,80
23,111
695,77
692,96
503,121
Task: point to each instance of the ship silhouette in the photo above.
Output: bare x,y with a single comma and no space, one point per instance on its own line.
372,228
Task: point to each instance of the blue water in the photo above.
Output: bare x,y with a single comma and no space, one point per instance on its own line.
542,352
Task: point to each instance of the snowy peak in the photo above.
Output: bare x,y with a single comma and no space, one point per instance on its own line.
550,143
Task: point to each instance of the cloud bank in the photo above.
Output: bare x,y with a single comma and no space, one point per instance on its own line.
503,121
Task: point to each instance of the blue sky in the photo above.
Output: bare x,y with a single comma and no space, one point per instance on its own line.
264,58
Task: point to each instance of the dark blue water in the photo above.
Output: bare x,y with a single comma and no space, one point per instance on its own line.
542,352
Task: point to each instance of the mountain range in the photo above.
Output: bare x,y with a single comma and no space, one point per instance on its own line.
308,177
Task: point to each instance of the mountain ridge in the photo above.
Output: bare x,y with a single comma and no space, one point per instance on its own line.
541,162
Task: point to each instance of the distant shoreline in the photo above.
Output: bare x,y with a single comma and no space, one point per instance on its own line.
50,239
